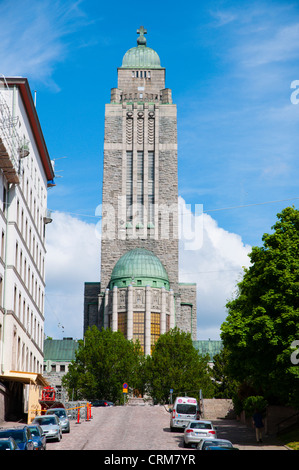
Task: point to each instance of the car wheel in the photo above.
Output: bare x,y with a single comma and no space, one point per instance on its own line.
59,437
185,444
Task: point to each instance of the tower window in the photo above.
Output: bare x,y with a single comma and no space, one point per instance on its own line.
155,327
138,328
129,186
151,187
140,161
122,323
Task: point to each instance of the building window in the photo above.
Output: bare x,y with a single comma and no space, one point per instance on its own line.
151,187
122,323
129,187
155,328
140,165
138,328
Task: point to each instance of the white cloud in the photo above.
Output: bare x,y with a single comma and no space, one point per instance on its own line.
33,36
216,267
73,257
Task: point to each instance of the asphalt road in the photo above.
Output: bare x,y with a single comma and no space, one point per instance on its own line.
146,428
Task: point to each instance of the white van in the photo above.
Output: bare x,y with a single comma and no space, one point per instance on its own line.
184,410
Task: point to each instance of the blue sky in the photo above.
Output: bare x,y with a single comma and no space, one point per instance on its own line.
230,65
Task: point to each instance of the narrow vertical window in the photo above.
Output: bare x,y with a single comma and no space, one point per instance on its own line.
140,178
151,187
129,186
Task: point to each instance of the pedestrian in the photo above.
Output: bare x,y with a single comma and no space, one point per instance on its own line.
258,424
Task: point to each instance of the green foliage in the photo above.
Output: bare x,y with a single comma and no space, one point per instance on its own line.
225,385
263,319
255,403
104,361
175,364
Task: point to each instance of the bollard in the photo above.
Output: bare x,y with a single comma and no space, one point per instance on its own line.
87,412
78,416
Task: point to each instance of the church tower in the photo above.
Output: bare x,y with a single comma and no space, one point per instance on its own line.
139,292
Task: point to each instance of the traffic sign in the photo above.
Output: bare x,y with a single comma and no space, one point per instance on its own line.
125,388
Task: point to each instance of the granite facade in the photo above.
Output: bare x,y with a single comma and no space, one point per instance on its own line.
141,119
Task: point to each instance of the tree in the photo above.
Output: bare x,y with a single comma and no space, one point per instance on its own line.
175,364
263,319
104,361
225,386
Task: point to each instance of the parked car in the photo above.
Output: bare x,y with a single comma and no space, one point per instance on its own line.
50,426
21,435
8,443
215,444
102,403
38,436
62,416
197,430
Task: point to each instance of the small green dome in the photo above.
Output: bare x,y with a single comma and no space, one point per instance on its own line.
141,57
139,267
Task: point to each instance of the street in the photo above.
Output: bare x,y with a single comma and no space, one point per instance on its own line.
146,428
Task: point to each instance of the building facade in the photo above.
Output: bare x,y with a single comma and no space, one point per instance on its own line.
25,174
139,292
58,355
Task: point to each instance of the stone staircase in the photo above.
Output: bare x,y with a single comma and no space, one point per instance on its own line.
218,408
133,401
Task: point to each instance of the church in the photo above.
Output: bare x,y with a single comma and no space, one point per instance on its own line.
139,292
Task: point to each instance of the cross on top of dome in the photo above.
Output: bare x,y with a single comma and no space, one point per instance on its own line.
141,41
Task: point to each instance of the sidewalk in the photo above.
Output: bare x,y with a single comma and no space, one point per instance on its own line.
243,436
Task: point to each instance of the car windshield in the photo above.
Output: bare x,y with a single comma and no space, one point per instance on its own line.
199,425
34,431
4,445
59,413
45,421
186,409
17,434
218,444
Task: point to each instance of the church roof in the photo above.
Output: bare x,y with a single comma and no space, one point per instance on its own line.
141,57
139,267
60,349
210,347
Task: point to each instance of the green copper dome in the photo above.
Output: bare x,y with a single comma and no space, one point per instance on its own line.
141,57
139,267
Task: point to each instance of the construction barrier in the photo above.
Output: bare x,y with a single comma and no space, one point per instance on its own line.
75,411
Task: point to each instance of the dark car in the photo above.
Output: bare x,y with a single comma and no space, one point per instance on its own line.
215,444
8,443
102,403
21,435
38,436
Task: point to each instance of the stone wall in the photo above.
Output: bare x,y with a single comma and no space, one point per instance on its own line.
91,309
186,309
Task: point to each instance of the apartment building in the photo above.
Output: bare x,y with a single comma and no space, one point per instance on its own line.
25,174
